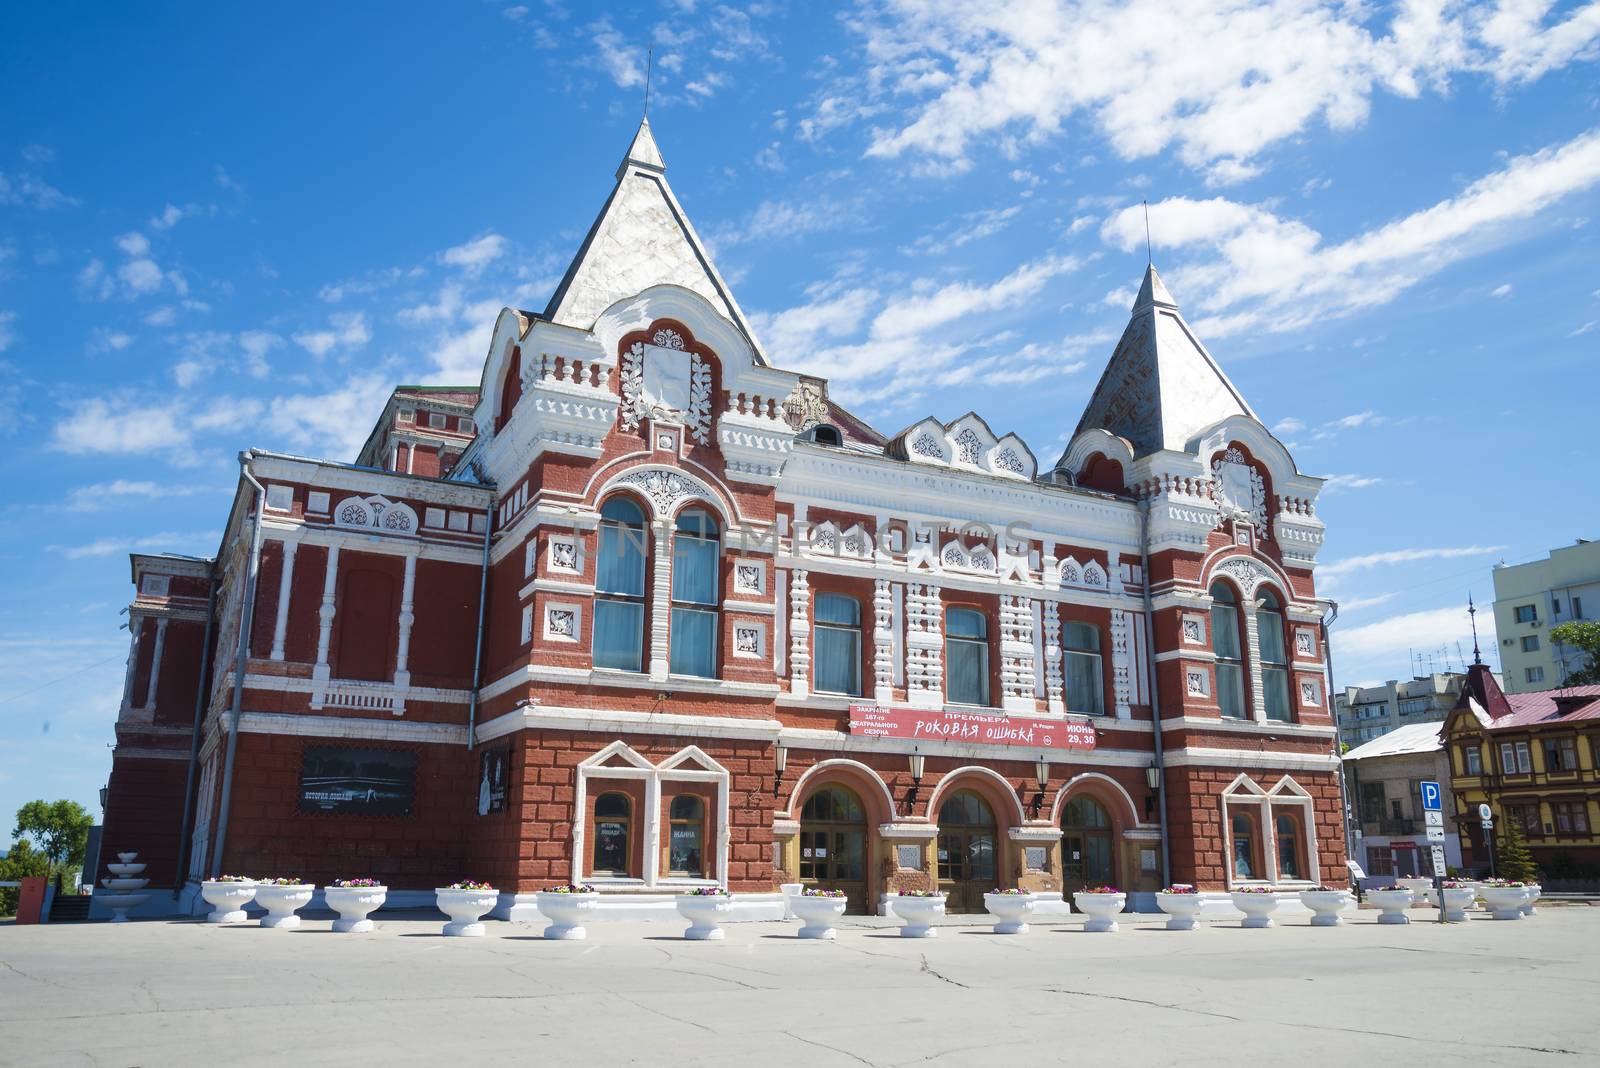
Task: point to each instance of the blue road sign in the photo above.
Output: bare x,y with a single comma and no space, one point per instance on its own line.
1430,797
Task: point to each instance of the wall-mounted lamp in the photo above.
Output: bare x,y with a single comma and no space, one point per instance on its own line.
1041,775
780,763
917,765
1152,779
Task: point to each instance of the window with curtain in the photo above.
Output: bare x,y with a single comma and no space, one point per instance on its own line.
619,587
1085,690
1225,645
1274,656
695,555
687,817
1288,833
966,657
837,633
613,815
1244,846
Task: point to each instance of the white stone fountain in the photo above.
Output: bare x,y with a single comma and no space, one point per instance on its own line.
124,881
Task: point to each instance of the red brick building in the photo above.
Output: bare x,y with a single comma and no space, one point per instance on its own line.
675,617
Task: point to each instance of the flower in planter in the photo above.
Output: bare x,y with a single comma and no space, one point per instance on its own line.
1180,888
1457,884
1011,892
922,893
821,891
468,884
1325,889
281,881
1099,890
235,879
356,884
1504,884
706,891
570,888
1256,890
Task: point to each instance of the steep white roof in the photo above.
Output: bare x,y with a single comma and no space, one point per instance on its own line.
1161,387
641,239
1412,738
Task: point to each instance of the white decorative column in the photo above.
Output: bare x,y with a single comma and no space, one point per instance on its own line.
402,655
1252,642
799,632
135,625
1052,658
1121,663
330,583
1016,653
285,581
882,642
661,605
924,647
155,666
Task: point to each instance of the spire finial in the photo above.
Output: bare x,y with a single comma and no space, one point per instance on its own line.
649,70
1472,613
1149,256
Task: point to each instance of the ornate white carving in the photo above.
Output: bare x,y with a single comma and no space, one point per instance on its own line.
1052,657
968,446
1245,571
376,513
824,538
699,414
1305,643
636,404
1195,681
561,623
924,444
1308,692
664,488
954,555
1239,489
1094,575
806,406
667,339
1008,460
882,641
799,633
1016,652
563,554
1071,572
749,577
1194,630
1121,662
855,542
981,559
630,381
749,640
924,646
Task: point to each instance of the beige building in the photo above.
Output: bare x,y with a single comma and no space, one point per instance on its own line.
1368,712
1383,781
1531,598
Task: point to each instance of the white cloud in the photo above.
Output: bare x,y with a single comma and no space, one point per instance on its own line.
1503,290
1339,568
140,276
102,495
1240,78
1336,483
167,540
624,63
98,425
337,421
1252,270
104,340
134,244
476,254
255,344
347,330
29,190
1290,425
1427,629
776,220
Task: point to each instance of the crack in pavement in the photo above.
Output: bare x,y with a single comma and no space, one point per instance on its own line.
1144,1002
926,967
832,1049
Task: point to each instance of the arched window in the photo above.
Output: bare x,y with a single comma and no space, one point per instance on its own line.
1085,690
833,804
837,663
1274,656
619,587
687,816
695,555
966,656
613,826
1226,645
1287,828
1244,846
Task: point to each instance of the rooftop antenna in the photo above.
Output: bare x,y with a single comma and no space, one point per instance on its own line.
649,71
1472,614
1149,257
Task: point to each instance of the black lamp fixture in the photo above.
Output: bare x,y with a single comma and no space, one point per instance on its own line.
917,767
1152,779
780,763
1041,775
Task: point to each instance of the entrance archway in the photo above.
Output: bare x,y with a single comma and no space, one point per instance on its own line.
833,845
1088,849
967,851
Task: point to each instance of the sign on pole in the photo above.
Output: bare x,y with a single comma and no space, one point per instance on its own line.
1433,819
1439,866
1430,797
1435,834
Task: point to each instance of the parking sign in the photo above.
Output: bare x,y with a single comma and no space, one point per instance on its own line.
1430,797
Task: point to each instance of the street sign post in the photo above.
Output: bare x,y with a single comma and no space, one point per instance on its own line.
1433,818
1430,796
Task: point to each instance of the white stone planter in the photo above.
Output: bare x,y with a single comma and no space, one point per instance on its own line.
568,913
1533,895
1102,910
227,900
1257,908
1456,903
1392,904
1505,902
281,903
1326,905
353,903
1183,910
1010,911
1421,889
705,915
465,908
817,915
917,914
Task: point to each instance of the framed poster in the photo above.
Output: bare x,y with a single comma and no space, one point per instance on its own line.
492,768
364,782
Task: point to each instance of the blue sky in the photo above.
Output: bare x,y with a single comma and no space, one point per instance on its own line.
220,230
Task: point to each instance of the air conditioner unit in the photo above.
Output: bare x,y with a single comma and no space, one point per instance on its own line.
1505,641
1535,623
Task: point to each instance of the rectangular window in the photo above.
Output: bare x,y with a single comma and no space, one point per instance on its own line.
280,498
436,420
407,415
1572,817
1524,759
1561,754
837,664
1534,674
1530,643
463,424
1526,817
1230,672
966,649
1085,684
1474,760
695,561
1372,798
527,624
1555,606
1577,607
1527,613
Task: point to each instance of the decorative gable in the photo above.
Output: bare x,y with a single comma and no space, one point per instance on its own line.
376,513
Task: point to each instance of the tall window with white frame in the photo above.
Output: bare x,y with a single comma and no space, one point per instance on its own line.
1225,645
1085,688
696,554
1274,656
619,587
838,644
966,655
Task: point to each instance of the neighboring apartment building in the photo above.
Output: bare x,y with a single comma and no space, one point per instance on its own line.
1382,780
1531,598
1368,712
1533,758
423,430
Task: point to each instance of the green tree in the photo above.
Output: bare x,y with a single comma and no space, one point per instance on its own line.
22,862
1585,637
1512,860
57,829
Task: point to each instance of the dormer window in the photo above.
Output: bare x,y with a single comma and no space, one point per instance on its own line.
824,434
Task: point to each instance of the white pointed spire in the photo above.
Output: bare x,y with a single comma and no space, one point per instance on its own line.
643,152
1161,387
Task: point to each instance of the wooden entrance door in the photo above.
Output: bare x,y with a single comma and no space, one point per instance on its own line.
1086,846
833,845
967,845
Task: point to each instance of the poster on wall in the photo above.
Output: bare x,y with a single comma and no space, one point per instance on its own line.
492,780
363,782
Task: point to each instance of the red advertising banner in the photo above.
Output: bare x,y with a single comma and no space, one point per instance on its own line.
876,721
